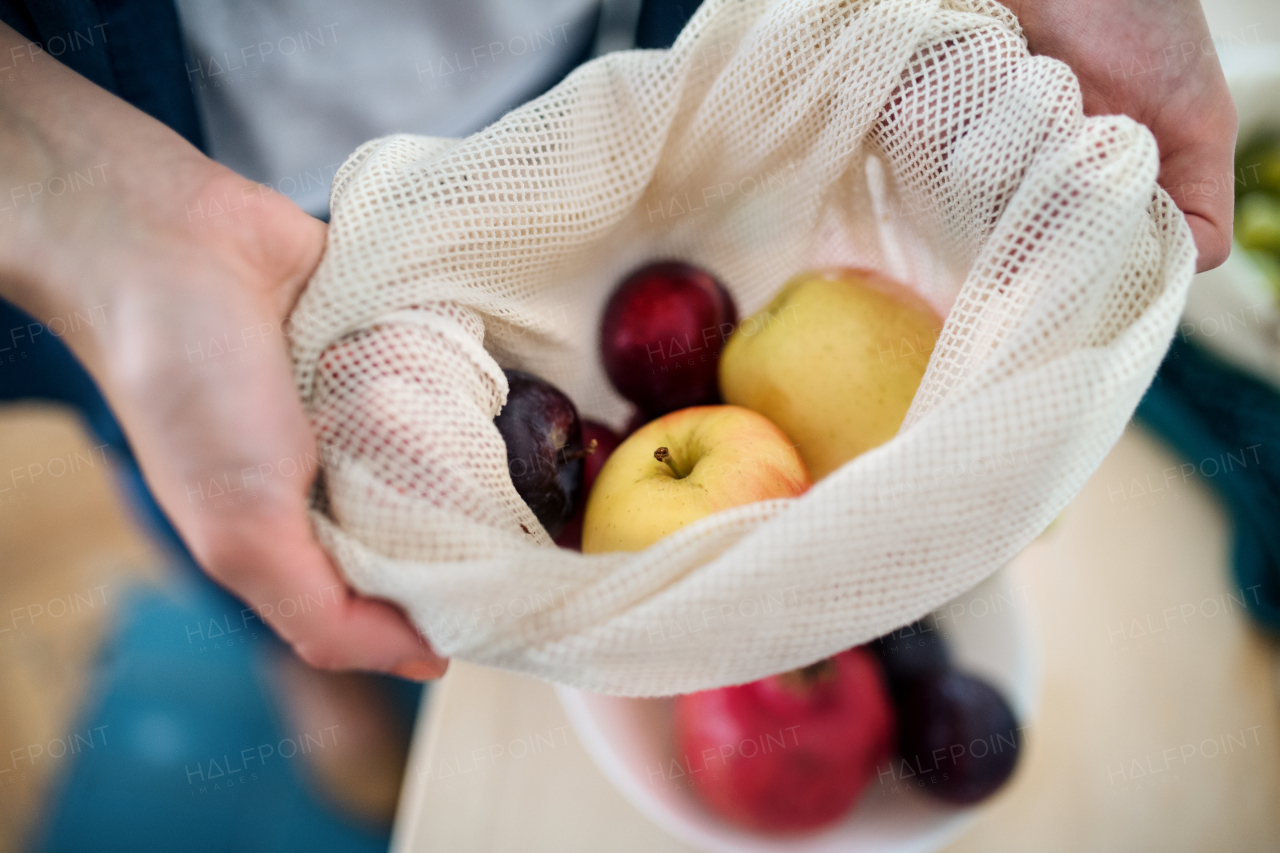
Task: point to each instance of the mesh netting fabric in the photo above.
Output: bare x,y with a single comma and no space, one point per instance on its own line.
916,138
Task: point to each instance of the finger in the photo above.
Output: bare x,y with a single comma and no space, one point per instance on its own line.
269,558
1196,132
1213,241
1201,181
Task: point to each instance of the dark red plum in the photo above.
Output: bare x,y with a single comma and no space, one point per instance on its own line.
957,737
544,448
661,337
605,442
911,650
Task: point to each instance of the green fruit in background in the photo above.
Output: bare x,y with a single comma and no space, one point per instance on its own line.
1258,222
1258,166
1270,267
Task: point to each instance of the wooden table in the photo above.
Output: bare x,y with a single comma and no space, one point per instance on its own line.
1153,679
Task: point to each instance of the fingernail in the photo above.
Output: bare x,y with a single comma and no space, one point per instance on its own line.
419,670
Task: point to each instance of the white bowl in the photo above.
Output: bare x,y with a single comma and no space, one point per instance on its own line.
990,633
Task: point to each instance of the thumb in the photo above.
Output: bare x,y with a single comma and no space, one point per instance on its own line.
271,560
1197,167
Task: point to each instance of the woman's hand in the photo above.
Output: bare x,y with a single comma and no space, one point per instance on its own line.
193,270
1153,60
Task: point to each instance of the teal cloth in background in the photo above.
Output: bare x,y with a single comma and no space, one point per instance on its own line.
180,749
1226,424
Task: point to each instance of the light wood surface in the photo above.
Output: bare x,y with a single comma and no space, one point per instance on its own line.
68,555
1153,679
70,552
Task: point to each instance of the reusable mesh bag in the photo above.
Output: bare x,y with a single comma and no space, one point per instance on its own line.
917,138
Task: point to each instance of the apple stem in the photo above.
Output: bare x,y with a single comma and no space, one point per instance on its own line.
662,454
583,452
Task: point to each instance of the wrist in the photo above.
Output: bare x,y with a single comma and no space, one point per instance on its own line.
85,230
77,162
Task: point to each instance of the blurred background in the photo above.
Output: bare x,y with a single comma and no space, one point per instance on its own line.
135,691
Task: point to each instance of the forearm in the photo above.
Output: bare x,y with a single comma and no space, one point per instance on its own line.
71,154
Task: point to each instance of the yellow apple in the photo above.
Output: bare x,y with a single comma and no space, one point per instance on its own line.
683,466
834,360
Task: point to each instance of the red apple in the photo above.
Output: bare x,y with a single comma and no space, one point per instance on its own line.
661,337
606,440
792,752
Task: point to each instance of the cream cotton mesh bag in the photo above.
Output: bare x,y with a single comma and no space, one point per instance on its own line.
916,138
